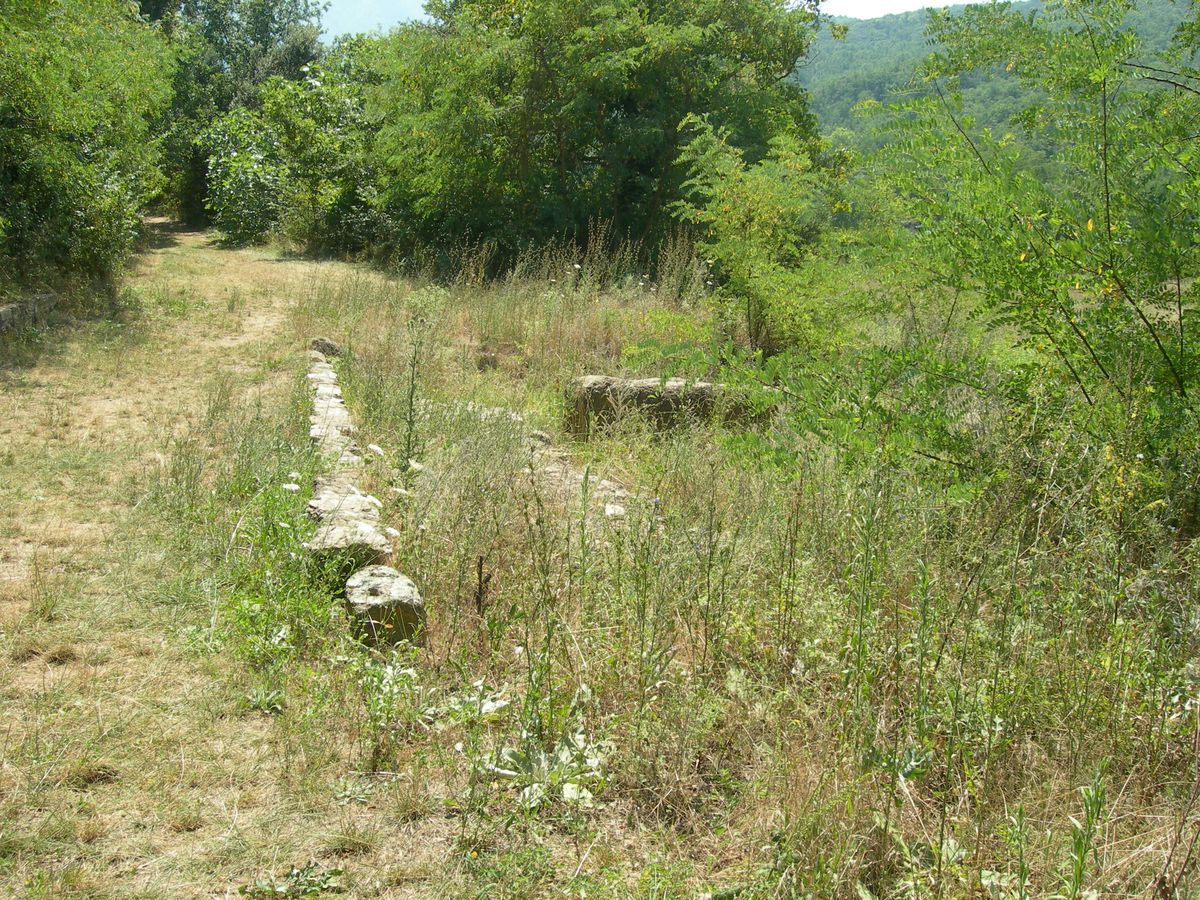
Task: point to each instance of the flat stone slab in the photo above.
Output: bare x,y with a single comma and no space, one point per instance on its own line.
387,607
599,399
355,542
338,498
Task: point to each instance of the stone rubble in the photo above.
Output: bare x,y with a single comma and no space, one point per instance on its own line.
385,604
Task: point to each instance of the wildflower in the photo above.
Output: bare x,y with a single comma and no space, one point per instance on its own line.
284,525
414,466
291,488
375,448
578,267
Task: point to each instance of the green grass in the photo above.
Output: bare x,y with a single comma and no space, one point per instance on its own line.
809,661
800,666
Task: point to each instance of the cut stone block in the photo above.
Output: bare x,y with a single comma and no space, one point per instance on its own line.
386,605
338,498
599,399
357,542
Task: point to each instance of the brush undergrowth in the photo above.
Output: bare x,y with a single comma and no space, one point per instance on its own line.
910,636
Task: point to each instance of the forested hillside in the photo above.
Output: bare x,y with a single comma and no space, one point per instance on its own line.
876,59
536,452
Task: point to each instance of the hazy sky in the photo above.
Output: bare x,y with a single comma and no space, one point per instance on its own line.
364,15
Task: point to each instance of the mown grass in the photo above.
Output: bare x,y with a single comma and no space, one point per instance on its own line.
806,662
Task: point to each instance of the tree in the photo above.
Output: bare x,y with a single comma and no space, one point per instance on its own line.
518,121
226,49
757,224
80,84
298,161
1091,268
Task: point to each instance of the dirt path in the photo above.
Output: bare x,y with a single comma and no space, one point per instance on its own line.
126,767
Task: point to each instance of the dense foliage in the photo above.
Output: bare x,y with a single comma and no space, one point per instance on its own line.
297,163
1091,269
521,122
80,83
758,223
876,58
226,49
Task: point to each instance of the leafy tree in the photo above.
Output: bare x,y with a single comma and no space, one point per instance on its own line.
758,224
80,83
1090,270
299,160
246,175
226,49
518,121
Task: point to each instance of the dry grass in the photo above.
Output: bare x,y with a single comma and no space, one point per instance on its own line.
130,765
184,713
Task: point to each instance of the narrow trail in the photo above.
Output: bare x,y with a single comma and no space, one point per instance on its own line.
126,767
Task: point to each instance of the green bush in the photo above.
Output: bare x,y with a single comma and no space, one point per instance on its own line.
521,124
80,81
247,178
758,224
297,163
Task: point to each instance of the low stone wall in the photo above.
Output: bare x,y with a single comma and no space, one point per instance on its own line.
386,605
599,399
28,311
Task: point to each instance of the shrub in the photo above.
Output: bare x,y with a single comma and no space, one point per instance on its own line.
247,178
80,81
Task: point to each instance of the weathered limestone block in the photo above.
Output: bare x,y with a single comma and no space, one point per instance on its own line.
354,542
386,606
349,529
598,399
326,347
331,429
337,497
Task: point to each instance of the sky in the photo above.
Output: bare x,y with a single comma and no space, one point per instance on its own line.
365,15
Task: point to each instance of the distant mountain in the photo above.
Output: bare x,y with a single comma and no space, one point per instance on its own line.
878,56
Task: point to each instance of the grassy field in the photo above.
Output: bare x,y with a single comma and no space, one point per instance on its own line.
802,663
